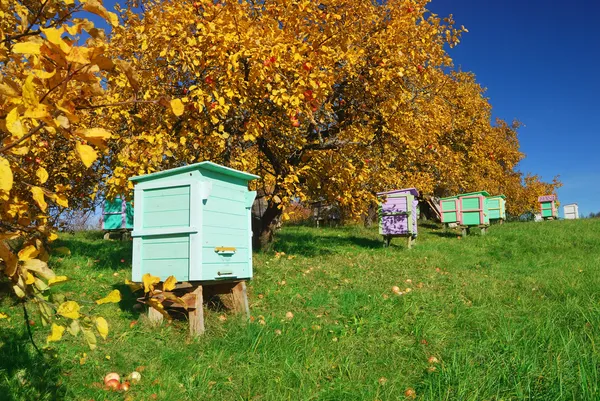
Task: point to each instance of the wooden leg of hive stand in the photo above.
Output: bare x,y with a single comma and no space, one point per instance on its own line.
409,242
464,231
106,235
154,316
240,299
196,315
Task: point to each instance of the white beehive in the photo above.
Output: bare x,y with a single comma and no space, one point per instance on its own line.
571,211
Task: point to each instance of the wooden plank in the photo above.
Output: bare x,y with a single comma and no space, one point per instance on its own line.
240,299
154,316
196,315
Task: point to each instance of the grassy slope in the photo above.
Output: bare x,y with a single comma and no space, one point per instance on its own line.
512,315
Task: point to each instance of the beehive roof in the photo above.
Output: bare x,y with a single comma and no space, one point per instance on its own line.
210,166
484,193
395,191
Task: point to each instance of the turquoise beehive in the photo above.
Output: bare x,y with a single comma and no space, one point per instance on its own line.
193,223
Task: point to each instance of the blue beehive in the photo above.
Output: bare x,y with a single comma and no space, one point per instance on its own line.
193,223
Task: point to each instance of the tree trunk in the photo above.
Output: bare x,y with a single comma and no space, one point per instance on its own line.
264,227
371,215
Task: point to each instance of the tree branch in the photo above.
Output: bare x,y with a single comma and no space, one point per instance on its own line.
33,131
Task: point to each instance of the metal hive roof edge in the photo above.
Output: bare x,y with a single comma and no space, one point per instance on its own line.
210,166
411,189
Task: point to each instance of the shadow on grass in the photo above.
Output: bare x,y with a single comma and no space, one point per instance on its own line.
109,253
428,224
323,243
26,375
445,234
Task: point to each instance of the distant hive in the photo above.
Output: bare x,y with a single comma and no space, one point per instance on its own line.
398,212
471,210
117,217
571,211
548,208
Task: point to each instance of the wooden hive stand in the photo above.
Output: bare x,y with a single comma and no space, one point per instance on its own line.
194,293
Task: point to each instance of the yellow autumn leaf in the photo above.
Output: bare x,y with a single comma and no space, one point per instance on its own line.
177,107
38,197
62,250
54,37
52,237
14,124
56,333
102,327
29,252
3,315
37,112
29,93
18,291
69,309
6,178
133,286
113,297
42,175
43,74
30,279
96,136
61,200
78,55
90,337
27,48
159,307
57,279
86,153
40,268
169,283
96,7
149,281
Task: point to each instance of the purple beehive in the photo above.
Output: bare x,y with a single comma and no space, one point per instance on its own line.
398,213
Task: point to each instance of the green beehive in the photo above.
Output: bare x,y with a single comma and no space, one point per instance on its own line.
194,223
548,208
117,214
473,209
497,207
449,208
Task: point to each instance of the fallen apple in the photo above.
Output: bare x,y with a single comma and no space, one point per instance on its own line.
112,376
135,377
113,384
124,386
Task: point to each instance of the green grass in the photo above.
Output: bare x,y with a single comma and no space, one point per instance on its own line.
513,315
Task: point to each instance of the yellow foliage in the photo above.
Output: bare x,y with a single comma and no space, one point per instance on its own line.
28,252
149,282
102,327
56,333
87,154
169,283
113,297
69,309
57,279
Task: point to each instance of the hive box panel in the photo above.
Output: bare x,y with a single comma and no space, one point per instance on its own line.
473,210
450,209
117,214
496,207
193,223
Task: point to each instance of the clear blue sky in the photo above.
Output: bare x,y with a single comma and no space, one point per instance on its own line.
539,60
